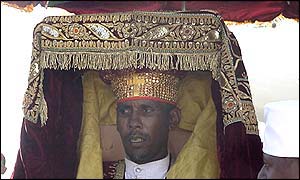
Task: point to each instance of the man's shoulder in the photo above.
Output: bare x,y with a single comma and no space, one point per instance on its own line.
113,169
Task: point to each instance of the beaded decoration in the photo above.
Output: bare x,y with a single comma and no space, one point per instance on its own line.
145,85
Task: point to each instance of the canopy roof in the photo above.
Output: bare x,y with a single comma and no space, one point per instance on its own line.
239,11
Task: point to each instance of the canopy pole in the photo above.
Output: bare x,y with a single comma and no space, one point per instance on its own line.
183,6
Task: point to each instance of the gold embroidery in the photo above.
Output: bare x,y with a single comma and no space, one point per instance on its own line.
120,170
153,40
236,103
34,103
153,84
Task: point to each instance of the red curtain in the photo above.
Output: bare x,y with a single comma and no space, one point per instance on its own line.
291,9
90,7
50,152
230,10
236,10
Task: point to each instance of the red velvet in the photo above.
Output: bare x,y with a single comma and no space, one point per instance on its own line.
291,9
243,152
90,7
19,172
236,10
51,151
239,154
230,10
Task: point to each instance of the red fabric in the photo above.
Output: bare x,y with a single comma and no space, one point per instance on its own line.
146,98
291,9
51,151
239,154
230,10
235,10
243,153
90,7
19,172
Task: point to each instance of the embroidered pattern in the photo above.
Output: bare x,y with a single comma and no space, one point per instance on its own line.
120,170
109,169
144,84
34,103
153,40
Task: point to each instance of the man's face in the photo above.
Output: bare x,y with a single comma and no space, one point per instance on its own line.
144,127
279,168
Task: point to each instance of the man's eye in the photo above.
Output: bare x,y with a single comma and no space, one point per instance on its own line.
123,110
148,110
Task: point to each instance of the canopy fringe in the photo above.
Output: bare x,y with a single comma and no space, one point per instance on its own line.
130,59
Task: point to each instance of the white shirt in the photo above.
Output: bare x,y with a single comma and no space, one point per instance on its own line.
152,170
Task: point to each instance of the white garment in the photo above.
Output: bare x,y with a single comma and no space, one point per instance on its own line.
152,170
282,128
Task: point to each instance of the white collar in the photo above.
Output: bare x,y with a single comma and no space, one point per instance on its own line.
152,170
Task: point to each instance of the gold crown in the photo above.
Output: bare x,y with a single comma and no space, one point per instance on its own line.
153,85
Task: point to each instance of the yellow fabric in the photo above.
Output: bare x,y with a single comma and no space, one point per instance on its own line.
94,89
193,95
197,159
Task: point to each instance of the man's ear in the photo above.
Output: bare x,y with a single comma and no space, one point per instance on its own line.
174,118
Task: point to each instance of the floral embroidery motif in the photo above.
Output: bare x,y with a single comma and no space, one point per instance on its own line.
187,32
77,31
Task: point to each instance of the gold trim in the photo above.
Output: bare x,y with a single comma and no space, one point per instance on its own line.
120,170
153,84
237,104
130,59
154,40
34,103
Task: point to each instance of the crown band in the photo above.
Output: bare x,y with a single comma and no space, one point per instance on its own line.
145,85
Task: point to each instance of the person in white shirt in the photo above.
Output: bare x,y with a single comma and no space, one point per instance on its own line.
144,118
281,141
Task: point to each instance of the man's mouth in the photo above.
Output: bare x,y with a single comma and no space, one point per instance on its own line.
136,140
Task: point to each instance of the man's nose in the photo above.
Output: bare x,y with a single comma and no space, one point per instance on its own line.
135,120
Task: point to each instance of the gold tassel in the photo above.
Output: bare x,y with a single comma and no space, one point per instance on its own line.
43,110
134,59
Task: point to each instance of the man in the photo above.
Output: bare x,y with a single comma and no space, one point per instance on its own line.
144,129
168,95
66,102
146,110
281,141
